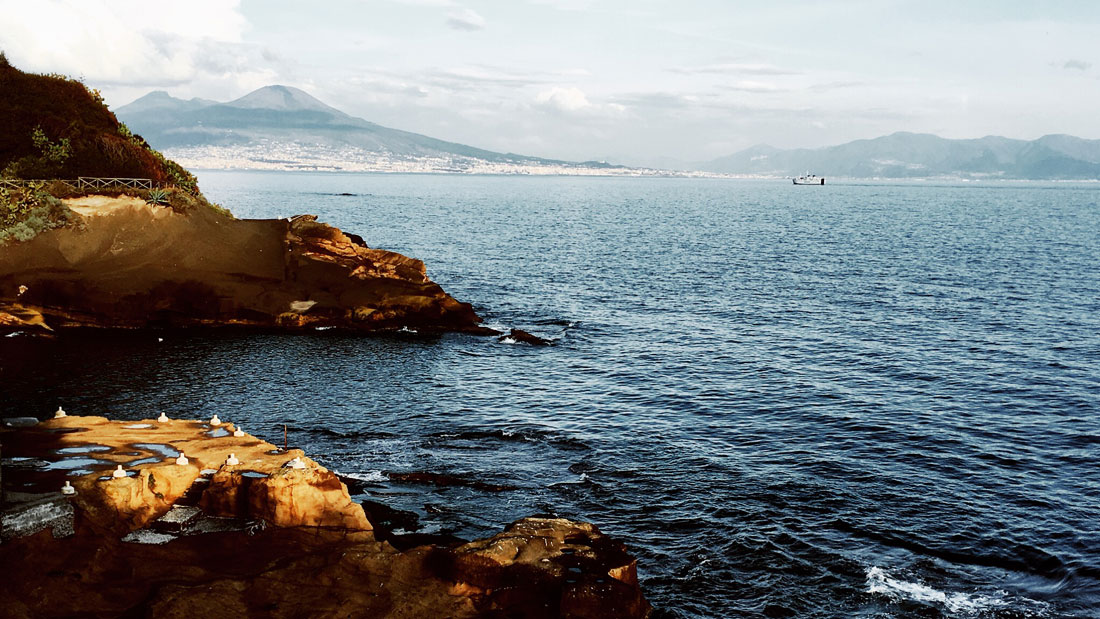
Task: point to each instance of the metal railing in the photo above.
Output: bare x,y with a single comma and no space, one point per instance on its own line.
88,182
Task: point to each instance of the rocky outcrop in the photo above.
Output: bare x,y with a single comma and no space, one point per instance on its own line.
311,497
138,265
583,572
260,487
321,557
128,503
519,336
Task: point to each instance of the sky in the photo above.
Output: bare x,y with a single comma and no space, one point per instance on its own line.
640,82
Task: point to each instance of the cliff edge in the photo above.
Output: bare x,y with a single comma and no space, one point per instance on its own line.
158,253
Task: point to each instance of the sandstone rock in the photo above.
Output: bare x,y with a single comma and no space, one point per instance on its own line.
128,503
133,268
322,560
15,317
312,497
586,573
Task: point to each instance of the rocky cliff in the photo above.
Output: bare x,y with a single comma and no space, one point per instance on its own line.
167,257
132,264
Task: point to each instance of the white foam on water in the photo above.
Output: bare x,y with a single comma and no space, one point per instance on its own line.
507,340
964,604
370,476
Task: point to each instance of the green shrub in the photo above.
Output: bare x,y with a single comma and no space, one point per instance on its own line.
157,196
27,211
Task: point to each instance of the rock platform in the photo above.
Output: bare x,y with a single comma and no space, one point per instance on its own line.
275,534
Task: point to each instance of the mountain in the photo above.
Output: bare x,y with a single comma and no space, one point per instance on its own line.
283,127
914,155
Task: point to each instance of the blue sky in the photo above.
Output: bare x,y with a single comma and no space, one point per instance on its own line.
635,82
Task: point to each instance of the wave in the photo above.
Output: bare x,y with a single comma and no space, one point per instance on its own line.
527,435
371,477
363,434
966,604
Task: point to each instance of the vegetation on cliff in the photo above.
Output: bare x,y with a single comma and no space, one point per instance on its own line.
54,127
26,211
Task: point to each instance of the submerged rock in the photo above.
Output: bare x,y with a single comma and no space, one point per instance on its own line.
521,336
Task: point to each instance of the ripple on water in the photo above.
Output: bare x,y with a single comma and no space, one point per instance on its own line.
770,394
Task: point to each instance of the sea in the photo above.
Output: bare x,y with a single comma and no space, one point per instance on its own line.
867,399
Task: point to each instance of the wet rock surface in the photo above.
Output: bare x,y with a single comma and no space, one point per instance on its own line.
523,337
265,538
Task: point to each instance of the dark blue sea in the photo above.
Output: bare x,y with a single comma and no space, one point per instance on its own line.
857,400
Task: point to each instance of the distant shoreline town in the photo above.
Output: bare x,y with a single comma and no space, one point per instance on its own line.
291,157
284,128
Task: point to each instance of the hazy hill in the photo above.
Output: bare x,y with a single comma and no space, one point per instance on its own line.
289,117
909,155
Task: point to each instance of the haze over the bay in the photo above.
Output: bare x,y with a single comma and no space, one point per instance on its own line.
634,82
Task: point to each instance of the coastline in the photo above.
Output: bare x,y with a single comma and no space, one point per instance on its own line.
232,520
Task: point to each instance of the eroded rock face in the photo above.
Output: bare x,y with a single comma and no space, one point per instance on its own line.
311,497
16,317
143,265
125,504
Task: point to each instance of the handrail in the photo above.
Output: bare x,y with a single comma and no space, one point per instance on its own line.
89,182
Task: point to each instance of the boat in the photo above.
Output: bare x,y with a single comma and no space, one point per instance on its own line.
809,179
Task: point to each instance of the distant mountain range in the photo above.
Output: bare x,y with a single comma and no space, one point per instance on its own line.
916,155
280,127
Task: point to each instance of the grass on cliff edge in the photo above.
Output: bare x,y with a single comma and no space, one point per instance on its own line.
53,126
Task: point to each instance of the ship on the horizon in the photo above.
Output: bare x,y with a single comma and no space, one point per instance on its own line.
809,179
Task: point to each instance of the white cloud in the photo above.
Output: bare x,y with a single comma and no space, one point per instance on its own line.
563,99
735,68
122,46
465,19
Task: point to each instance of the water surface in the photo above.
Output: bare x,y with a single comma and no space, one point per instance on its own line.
853,400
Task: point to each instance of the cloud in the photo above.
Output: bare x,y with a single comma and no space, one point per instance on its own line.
563,99
478,77
660,100
735,68
374,87
124,44
465,19
1079,65
753,86
565,5
840,85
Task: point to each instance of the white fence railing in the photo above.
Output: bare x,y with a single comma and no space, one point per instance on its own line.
88,182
